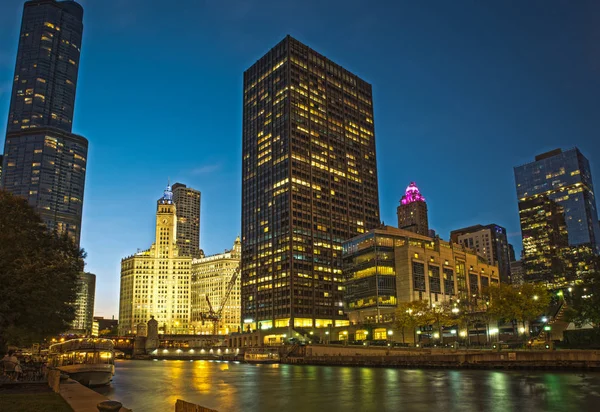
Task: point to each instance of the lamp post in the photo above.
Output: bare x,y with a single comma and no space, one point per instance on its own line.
389,336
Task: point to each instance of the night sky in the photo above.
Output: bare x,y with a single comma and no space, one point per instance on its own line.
463,92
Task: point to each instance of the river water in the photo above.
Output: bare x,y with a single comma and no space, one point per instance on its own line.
146,386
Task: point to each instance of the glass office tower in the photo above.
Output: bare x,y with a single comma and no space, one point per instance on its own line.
562,178
43,161
309,175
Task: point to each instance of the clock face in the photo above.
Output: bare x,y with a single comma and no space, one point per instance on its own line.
164,221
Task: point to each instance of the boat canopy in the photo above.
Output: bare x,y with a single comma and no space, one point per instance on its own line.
82,344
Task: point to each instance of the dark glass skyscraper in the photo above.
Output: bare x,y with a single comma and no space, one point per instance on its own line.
43,161
309,175
187,201
545,240
556,182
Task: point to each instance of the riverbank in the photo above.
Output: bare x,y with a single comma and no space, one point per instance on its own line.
447,359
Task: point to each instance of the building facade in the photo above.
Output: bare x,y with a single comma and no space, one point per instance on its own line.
211,278
156,282
545,240
412,212
559,219
187,201
309,182
385,266
43,161
516,272
84,303
106,324
564,177
489,241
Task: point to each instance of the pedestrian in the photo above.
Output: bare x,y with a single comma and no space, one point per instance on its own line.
11,365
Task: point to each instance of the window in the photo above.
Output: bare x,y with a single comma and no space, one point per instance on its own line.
418,276
434,279
473,284
448,281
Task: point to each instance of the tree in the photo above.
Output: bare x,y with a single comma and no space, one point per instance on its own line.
440,314
515,304
38,275
411,315
584,299
531,301
502,304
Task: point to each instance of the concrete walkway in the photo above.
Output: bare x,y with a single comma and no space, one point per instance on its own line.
82,398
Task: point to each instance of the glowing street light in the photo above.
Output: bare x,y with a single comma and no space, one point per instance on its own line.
390,332
535,297
455,310
463,333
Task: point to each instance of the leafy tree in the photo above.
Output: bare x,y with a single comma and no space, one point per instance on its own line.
584,299
440,314
410,315
515,304
531,301
502,304
38,275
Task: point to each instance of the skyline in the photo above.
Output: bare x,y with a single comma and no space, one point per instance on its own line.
108,241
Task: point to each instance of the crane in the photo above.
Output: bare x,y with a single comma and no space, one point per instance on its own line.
215,316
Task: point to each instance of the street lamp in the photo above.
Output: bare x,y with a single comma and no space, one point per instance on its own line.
455,310
535,297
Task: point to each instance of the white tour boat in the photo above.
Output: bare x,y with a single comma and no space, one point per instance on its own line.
89,361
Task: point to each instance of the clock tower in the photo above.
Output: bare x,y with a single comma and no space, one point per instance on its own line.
166,226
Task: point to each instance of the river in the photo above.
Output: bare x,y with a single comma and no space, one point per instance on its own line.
147,386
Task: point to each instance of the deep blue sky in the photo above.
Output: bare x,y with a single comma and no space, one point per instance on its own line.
463,91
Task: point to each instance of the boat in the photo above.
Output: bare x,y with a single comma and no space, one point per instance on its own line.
89,361
261,355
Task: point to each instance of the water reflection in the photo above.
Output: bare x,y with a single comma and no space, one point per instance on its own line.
155,386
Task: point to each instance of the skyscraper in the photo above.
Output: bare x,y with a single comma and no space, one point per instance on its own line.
187,201
412,211
545,240
309,182
43,161
84,303
156,282
556,182
566,178
489,241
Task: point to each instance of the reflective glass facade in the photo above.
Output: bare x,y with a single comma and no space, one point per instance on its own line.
43,161
564,177
545,240
309,182
47,66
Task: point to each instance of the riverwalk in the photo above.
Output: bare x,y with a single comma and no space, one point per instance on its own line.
446,358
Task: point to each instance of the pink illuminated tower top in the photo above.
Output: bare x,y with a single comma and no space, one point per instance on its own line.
412,195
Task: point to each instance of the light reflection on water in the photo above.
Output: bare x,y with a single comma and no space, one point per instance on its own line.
155,386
